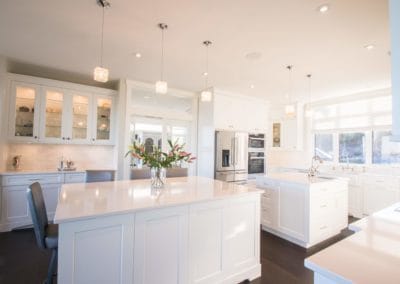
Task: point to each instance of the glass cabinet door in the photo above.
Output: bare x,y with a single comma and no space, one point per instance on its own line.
26,99
103,118
80,115
53,114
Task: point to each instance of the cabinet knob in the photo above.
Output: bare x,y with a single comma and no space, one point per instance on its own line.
36,137
63,138
93,139
68,138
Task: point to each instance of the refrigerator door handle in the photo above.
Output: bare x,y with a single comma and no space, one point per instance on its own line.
235,144
233,152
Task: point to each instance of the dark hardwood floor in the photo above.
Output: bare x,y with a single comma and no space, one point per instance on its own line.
21,262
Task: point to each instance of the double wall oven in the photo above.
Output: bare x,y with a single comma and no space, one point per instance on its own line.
256,155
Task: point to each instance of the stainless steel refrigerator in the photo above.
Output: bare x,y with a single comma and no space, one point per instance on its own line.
231,156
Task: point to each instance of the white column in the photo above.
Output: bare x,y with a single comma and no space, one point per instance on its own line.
394,11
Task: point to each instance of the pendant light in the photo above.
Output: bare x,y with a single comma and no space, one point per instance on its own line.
100,73
309,111
206,95
290,110
161,85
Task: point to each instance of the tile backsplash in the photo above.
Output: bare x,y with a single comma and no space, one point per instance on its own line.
47,157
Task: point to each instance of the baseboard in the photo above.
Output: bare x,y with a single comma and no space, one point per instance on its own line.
250,273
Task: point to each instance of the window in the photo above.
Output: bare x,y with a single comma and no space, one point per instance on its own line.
384,151
324,146
352,148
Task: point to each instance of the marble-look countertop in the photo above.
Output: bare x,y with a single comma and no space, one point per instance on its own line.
301,178
47,171
83,201
371,255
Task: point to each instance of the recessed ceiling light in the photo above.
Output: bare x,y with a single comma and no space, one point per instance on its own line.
252,86
138,55
369,46
253,55
323,8
205,74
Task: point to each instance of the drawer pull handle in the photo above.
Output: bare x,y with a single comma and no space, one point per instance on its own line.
323,227
323,206
34,179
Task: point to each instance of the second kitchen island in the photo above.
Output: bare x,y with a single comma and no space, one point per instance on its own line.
198,230
301,209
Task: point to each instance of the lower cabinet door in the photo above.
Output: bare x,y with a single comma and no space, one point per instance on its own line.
377,198
15,211
206,236
161,246
98,250
292,208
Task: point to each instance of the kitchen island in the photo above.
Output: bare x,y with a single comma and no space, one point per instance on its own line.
371,255
197,230
301,209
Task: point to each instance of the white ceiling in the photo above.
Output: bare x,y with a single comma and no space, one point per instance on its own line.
65,35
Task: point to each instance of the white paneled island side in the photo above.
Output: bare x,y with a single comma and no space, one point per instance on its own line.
198,230
301,209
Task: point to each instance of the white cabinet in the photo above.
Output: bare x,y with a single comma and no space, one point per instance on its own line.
161,260
289,134
14,206
292,210
305,214
239,113
379,192
48,111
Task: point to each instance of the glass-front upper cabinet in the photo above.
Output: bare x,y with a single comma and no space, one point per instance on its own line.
24,117
53,114
80,117
103,120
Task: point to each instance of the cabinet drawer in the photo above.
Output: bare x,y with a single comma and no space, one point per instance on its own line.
29,179
320,206
75,178
319,229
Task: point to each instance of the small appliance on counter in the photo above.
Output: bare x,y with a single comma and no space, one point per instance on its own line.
231,156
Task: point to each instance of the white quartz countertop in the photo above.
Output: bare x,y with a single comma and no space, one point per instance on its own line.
37,172
47,171
371,255
83,201
301,178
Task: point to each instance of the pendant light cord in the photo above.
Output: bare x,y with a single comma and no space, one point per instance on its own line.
290,67
206,79
162,54
102,40
309,89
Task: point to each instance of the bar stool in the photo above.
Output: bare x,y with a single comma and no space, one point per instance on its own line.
46,234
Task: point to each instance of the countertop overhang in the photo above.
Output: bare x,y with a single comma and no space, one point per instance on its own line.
371,255
90,200
303,178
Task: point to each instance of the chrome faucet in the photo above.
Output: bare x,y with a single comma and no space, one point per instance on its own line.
314,168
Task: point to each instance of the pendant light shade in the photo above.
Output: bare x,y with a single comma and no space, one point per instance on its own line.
290,109
206,95
309,112
100,74
161,85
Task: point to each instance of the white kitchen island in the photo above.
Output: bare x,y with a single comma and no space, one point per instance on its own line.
303,210
198,230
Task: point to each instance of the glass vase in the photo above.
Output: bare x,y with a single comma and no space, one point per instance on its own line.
158,177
